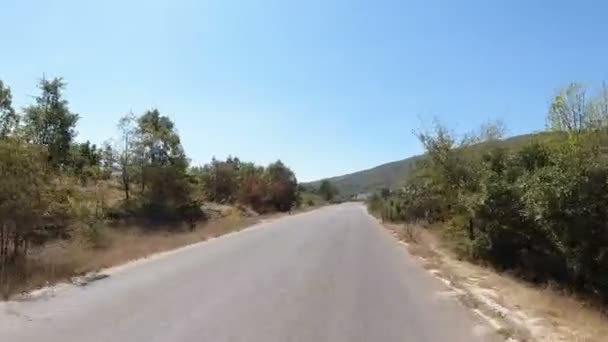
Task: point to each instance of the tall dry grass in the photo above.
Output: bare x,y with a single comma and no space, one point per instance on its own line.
60,261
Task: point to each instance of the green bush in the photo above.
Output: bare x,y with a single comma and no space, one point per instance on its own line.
539,209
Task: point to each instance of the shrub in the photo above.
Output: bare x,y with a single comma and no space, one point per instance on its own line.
540,209
96,236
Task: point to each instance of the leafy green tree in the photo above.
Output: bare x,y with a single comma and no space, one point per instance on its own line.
159,140
84,162
264,189
49,122
169,195
538,208
447,171
282,186
252,187
221,181
167,188
327,190
9,120
157,145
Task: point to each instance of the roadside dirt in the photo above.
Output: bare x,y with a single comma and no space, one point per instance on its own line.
518,311
73,262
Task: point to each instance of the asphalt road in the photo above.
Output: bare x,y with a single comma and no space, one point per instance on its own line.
327,275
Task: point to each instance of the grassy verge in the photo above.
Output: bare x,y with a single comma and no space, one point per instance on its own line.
522,311
61,261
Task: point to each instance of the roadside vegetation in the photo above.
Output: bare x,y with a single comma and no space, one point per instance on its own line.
312,195
537,208
63,200
329,192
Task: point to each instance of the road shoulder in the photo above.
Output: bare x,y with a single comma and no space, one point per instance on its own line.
518,311
130,250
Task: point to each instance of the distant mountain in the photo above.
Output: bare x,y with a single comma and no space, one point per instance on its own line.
392,175
389,175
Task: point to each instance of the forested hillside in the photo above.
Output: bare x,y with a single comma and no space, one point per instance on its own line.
386,175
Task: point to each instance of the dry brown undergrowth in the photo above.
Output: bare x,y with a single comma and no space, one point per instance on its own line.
62,260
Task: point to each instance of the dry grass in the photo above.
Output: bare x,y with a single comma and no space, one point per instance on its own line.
548,314
61,261
418,240
570,317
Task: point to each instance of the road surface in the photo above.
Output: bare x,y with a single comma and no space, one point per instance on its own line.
327,275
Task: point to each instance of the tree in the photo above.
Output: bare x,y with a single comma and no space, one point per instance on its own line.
126,158
272,188
85,160
157,144
570,110
167,188
160,142
327,190
168,193
49,122
600,107
385,193
490,131
9,120
108,159
282,186
221,180
252,188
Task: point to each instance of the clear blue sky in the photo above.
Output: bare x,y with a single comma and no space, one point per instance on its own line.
329,87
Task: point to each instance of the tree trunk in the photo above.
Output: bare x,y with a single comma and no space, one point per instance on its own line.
3,278
125,182
471,231
15,246
143,180
2,253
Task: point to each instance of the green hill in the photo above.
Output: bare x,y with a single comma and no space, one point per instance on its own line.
386,175
393,174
